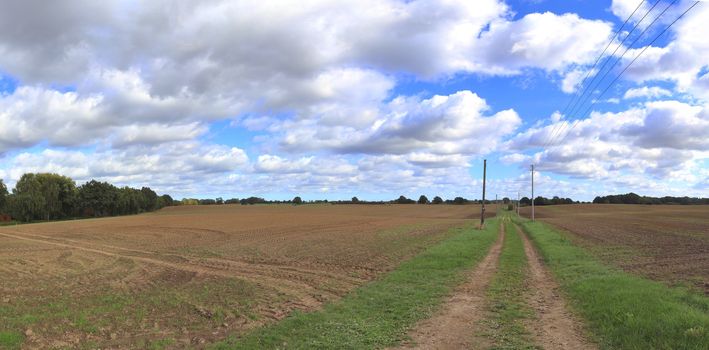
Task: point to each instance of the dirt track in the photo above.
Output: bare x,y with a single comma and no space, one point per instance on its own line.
554,328
453,327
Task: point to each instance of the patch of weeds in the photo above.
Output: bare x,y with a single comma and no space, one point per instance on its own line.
11,340
161,344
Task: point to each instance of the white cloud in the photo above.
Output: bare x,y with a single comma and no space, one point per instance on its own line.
647,92
573,79
176,167
683,60
624,8
660,140
543,40
318,81
444,125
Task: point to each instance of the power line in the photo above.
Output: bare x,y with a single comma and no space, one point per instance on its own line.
587,89
568,104
617,60
610,57
585,99
588,110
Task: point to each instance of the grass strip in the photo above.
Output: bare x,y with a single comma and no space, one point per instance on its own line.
623,311
507,304
379,313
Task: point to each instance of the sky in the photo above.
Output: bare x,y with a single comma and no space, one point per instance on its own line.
332,99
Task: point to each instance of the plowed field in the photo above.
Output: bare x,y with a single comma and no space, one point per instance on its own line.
663,242
186,276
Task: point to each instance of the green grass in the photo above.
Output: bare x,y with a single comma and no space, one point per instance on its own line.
11,340
507,304
623,311
379,313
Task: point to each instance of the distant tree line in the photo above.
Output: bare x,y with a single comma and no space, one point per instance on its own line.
632,198
53,197
539,200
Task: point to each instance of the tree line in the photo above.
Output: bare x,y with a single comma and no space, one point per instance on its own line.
53,197
539,200
632,198
298,200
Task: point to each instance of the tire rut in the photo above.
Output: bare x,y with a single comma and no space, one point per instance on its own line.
304,292
453,327
554,327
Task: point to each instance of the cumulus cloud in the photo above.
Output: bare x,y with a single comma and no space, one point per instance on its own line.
444,125
662,139
683,60
139,85
646,92
545,40
175,167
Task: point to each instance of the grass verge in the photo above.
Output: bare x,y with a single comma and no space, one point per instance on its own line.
507,304
623,311
379,313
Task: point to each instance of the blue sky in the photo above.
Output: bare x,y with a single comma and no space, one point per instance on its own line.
332,99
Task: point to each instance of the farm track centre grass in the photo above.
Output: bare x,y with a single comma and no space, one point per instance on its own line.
507,304
623,311
378,314
190,276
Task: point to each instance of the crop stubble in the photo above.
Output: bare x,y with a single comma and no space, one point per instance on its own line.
194,274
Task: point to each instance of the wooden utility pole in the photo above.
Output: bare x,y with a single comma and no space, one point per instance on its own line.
517,204
482,214
497,206
532,192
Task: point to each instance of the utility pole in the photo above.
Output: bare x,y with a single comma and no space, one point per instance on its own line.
532,192
497,206
482,214
517,204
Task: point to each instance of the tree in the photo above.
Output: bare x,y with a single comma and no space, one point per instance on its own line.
232,201
355,200
167,200
404,200
219,200
3,196
28,202
297,200
99,199
252,200
151,199
423,200
525,201
506,200
541,201
437,200
459,200
129,201
56,195
25,206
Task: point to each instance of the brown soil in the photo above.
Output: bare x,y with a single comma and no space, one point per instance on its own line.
554,326
453,327
193,275
663,242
